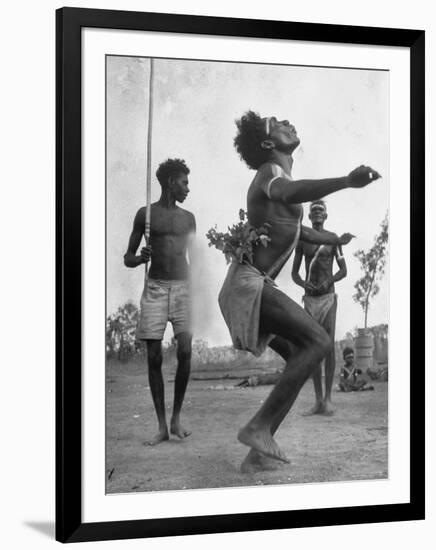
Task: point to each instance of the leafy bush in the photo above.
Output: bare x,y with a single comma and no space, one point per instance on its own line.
239,241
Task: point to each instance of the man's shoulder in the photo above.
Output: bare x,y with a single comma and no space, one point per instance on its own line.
143,209
141,213
140,216
261,183
184,210
186,213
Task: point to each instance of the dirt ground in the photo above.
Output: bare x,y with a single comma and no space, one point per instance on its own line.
351,445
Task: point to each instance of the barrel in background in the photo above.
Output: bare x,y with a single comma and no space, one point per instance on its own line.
364,349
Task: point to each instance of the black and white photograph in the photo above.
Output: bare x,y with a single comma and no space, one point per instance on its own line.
217,298
247,274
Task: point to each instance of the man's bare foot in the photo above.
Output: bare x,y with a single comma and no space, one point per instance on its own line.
261,441
162,435
318,408
178,430
255,462
329,410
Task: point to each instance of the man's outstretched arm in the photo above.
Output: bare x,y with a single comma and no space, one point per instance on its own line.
309,235
296,192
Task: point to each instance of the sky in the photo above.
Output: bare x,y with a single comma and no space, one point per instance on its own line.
341,116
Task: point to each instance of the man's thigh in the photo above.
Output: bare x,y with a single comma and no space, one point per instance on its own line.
153,315
282,316
180,309
283,347
329,323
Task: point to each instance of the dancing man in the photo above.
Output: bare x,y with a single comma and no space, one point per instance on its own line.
257,313
166,295
320,300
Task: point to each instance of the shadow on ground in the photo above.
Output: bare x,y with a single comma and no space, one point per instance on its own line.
47,528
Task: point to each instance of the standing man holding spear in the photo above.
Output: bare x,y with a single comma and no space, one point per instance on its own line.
168,231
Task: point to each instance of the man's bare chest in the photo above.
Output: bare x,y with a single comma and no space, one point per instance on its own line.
165,223
323,253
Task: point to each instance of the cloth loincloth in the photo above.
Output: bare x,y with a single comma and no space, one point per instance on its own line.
161,302
319,306
239,301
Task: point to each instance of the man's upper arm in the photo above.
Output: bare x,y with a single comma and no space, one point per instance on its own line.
137,231
339,255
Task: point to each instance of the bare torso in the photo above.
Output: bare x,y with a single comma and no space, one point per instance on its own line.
319,265
283,218
171,229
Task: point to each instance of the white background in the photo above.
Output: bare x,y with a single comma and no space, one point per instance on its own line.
27,322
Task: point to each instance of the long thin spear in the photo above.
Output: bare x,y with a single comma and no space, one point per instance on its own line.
148,182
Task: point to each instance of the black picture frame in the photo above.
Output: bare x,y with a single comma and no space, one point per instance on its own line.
69,525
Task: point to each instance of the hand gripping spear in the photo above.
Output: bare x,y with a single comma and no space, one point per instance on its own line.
148,182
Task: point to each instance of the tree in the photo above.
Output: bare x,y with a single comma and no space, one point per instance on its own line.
372,264
120,331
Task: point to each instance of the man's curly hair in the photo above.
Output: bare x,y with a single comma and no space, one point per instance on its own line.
251,133
171,167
